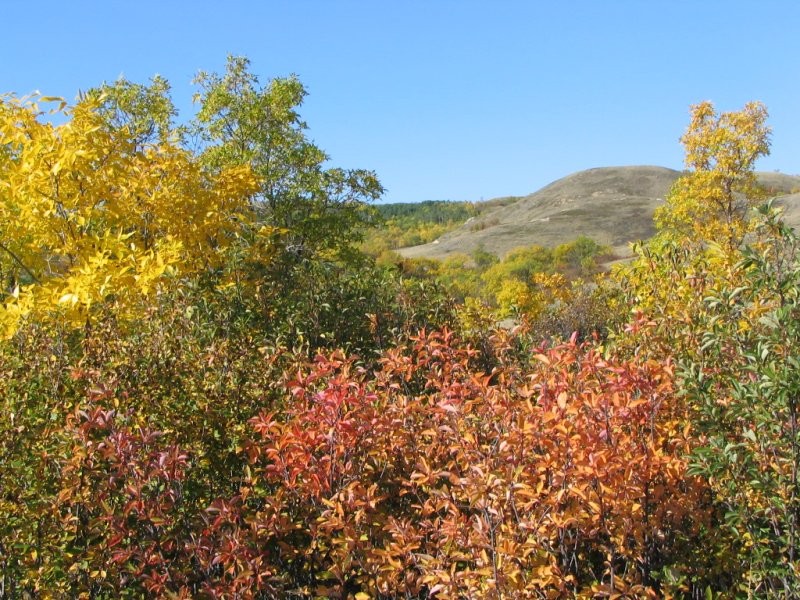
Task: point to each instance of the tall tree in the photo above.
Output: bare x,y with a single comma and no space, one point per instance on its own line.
146,111
242,122
713,201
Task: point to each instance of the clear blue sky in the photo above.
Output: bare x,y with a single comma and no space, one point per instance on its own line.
446,99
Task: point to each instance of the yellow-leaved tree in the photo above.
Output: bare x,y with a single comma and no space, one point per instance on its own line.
713,201
89,215
717,291
706,217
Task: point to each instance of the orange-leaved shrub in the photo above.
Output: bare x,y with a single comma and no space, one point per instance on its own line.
561,474
431,478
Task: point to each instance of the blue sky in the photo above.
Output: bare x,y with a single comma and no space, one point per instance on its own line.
446,99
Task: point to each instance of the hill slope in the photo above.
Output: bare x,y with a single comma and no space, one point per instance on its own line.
612,205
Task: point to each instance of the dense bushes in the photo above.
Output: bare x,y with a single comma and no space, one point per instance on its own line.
525,283
247,407
425,476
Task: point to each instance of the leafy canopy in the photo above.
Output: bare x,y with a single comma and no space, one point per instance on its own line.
318,209
108,205
90,214
714,199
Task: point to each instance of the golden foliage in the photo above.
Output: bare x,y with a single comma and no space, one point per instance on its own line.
713,201
87,216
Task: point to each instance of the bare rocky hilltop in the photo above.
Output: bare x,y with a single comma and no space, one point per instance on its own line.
612,205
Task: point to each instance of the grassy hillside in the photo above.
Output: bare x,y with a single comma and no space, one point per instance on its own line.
612,205
405,224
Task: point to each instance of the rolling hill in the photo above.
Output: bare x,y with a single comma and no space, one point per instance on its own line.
612,205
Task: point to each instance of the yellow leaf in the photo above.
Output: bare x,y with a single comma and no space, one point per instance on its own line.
68,298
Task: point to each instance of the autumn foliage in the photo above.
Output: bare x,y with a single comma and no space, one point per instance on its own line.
88,214
424,477
434,478
208,392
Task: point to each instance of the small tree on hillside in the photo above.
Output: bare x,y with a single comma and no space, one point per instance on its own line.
713,201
